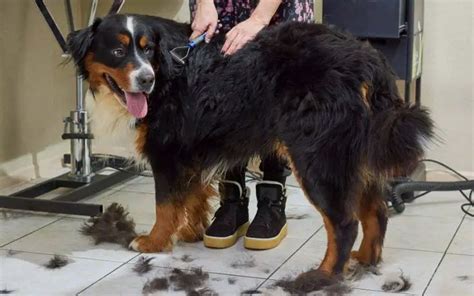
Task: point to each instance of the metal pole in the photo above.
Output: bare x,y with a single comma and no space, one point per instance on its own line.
410,35
81,168
93,12
70,18
79,93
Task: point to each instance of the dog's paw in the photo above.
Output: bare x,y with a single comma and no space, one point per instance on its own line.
145,244
364,258
360,258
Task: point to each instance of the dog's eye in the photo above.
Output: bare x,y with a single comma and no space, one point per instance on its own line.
148,50
118,52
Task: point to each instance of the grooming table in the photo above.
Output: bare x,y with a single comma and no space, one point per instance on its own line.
85,177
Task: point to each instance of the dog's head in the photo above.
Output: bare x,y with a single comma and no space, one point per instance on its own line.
120,53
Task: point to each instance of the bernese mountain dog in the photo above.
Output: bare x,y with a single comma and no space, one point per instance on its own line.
323,100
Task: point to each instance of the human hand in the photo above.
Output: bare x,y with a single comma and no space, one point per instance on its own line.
205,20
241,34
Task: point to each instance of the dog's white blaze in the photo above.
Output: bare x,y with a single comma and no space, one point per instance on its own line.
143,65
130,25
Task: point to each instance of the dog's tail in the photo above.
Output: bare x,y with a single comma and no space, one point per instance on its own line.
398,137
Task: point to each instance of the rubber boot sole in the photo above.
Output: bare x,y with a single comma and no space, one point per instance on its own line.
217,242
255,243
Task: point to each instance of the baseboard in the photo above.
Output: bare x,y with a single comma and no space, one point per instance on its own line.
44,164
48,163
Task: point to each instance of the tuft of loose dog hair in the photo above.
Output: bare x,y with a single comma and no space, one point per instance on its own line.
463,278
314,280
6,291
57,262
251,292
143,265
156,284
202,292
11,252
247,262
357,271
187,258
188,280
398,283
296,217
112,226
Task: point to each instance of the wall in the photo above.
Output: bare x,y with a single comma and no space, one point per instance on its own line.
447,85
36,91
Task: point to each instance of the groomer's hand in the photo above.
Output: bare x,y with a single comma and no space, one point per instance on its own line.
205,20
241,34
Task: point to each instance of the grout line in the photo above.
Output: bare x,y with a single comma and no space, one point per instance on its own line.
287,259
60,218
211,272
415,250
408,249
460,254
113,270
371,290
444,255
56,253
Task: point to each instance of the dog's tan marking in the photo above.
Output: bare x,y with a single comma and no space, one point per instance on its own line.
97,70
159,239
185,217
142,131
371,205
365,93
143,41
196,211
124,39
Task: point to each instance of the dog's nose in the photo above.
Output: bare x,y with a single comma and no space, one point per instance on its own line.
145,80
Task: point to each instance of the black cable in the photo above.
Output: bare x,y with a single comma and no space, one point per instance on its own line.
257,176
141,173
465,206
253,175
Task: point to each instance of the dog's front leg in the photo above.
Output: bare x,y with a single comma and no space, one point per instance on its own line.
168,214
159,238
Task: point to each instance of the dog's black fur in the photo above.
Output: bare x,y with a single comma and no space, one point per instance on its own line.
296,88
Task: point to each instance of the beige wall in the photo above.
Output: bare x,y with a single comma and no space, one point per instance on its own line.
447,87
36,92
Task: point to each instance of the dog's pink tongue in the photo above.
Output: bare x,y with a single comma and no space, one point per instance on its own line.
136,104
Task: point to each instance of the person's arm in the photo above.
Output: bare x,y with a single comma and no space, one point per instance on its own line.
205,19
248,29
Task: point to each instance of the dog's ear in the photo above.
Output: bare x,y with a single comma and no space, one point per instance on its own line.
79,43
167,39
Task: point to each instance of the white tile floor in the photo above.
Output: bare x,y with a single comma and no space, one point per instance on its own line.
432,243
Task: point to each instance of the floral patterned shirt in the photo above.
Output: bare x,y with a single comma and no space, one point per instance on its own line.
232,12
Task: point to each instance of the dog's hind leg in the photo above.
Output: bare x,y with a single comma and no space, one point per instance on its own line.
372,212
341,231
340,223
